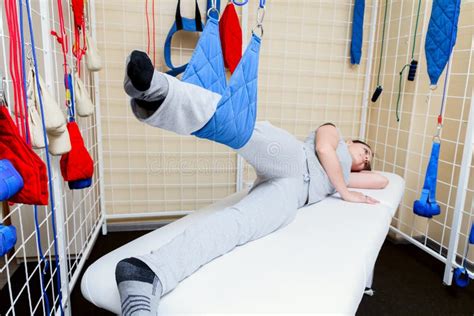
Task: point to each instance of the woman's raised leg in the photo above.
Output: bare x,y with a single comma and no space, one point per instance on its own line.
163,101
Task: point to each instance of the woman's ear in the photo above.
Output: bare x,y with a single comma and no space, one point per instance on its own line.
349,142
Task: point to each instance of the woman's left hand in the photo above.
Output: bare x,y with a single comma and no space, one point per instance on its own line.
357,197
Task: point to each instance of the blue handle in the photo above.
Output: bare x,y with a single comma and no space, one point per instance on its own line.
412,71
377,93
7,239
11,181
461,277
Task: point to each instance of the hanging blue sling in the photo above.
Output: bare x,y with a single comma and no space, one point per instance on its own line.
441,36
206,67
427,206
357,31
233,122
440,40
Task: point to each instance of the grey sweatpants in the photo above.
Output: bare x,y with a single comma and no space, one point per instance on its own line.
280,189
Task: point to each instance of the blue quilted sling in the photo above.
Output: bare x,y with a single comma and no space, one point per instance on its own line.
233,122
441,36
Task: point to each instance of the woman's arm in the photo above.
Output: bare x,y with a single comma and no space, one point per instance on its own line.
326,142
367,180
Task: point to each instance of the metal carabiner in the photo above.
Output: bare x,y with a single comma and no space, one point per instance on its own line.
436,137
260,17
209,13
213,8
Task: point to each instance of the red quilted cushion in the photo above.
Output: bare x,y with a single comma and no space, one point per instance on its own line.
231,37
31,168
76,164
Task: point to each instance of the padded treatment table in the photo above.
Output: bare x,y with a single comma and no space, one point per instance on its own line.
320,263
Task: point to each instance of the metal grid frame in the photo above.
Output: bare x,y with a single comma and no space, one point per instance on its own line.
83,213
79,216
404,147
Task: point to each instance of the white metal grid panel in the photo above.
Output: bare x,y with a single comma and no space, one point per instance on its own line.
78,213
404,147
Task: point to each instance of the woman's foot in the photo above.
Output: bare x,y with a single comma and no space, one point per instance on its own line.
139,288
140,70
146,86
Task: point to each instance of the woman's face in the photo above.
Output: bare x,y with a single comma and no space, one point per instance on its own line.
361,156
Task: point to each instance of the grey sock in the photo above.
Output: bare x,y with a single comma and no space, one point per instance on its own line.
139,288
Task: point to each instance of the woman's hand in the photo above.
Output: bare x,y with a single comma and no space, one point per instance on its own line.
357,197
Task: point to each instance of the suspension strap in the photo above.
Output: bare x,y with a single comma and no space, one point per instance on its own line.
379,88
48,162
153,31
79,27
16,70
62,36
413,64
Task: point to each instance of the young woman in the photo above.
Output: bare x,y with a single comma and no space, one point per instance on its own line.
290,174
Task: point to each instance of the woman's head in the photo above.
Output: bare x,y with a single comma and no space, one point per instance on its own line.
362,155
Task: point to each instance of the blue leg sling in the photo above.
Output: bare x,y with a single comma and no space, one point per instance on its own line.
233,122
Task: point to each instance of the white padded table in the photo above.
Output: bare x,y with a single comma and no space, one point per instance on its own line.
320,263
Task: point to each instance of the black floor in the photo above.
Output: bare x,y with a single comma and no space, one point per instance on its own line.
407,282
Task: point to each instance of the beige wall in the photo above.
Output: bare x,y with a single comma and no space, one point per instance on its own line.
404,147
305,79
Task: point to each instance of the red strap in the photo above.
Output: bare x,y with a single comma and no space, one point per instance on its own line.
153,35
153,29
78,10
79,27
16,69
147,28
62,37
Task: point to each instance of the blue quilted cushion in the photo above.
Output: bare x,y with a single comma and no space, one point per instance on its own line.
233,122
206,67
441,36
